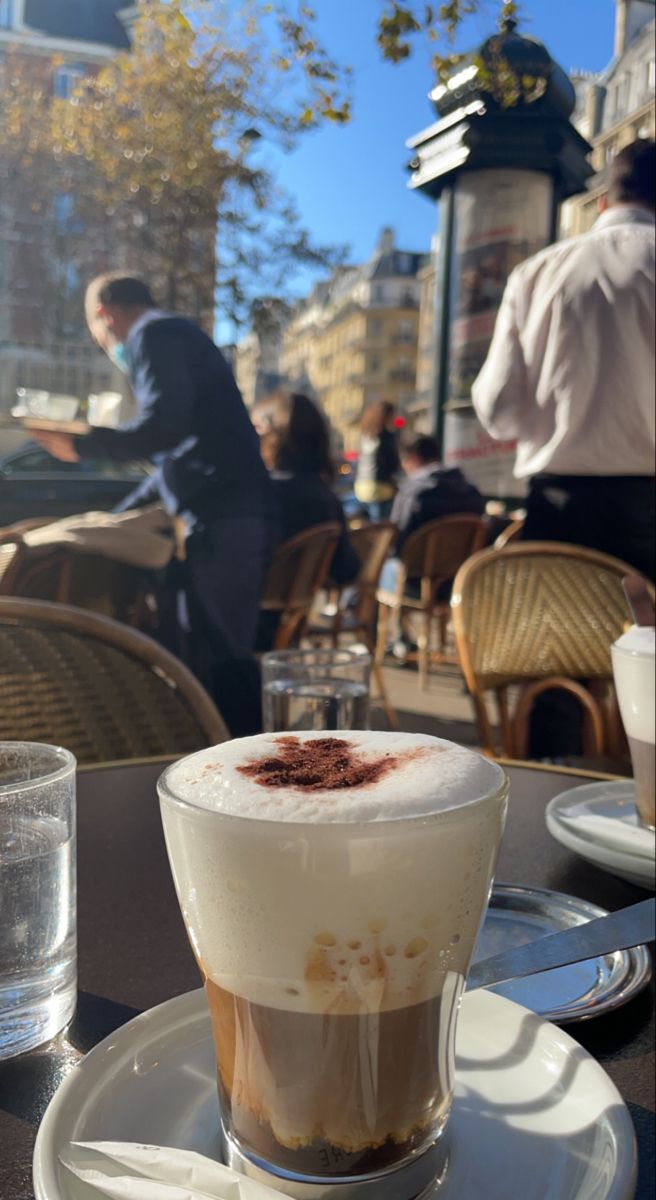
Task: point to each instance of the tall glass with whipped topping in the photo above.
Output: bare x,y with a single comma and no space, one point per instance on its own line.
332,886
634,656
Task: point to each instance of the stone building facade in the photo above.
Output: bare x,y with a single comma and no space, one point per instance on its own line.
354,340
617,106
45,257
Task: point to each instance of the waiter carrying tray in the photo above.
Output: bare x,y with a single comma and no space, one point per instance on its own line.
192,425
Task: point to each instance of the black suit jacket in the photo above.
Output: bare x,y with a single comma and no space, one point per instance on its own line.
192,425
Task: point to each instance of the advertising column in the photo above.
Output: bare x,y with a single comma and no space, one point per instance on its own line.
501,218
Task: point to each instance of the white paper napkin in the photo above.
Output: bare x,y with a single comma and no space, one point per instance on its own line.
128,1171
612,832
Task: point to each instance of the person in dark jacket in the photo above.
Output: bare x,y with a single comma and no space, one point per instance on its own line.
429,490
193,426
295,445
378,461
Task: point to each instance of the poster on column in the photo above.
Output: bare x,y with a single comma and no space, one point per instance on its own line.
501,218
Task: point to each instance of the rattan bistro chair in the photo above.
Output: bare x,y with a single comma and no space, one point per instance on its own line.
66,575
372,542
298,572
13,552
511,533
101,689
536,616
432,554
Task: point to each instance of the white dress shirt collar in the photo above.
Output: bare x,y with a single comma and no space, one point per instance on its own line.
624,214
151,314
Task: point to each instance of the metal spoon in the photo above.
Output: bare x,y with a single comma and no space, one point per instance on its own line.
630,926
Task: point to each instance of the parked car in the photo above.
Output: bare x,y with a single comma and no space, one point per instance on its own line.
33,484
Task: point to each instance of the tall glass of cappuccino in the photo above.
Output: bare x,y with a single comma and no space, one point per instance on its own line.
332,886
634,656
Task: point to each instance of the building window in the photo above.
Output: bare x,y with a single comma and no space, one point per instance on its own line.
66,80
5,14
622,96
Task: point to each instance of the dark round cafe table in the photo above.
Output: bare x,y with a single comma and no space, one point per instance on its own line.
133,950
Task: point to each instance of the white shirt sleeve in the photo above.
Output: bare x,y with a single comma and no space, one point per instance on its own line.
500,393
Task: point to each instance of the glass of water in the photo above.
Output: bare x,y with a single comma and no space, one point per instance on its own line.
315,689
38,947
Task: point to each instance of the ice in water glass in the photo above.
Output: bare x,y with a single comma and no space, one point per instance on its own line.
315,689
38,947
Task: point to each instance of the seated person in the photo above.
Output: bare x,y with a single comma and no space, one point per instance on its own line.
295,445
427,491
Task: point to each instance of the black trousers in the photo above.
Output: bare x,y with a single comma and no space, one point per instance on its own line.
213,607
614,514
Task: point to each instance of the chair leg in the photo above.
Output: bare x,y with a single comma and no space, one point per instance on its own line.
483,724
290,631
508,742
424,647
443,624
381,638
388,708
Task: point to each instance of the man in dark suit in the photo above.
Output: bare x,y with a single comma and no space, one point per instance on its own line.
193,426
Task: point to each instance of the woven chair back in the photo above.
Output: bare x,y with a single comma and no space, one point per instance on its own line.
106,692
533,610
88,581
437,549
66,576
372,543
300,568
10,556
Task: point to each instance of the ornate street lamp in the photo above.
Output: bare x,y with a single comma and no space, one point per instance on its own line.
500,160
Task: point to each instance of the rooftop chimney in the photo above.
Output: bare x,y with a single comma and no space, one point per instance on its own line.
621,25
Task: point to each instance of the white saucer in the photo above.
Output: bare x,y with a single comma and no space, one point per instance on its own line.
535,1116
614,800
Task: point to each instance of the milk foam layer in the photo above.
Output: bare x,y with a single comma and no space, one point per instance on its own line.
426,775
635,677
639,639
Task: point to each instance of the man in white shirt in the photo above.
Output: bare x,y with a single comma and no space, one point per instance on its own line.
570,374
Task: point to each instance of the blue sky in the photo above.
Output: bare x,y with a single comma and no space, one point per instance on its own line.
351,181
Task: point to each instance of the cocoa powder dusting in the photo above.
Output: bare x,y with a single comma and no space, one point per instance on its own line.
324,764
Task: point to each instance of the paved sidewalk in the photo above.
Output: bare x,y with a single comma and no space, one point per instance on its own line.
443,709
